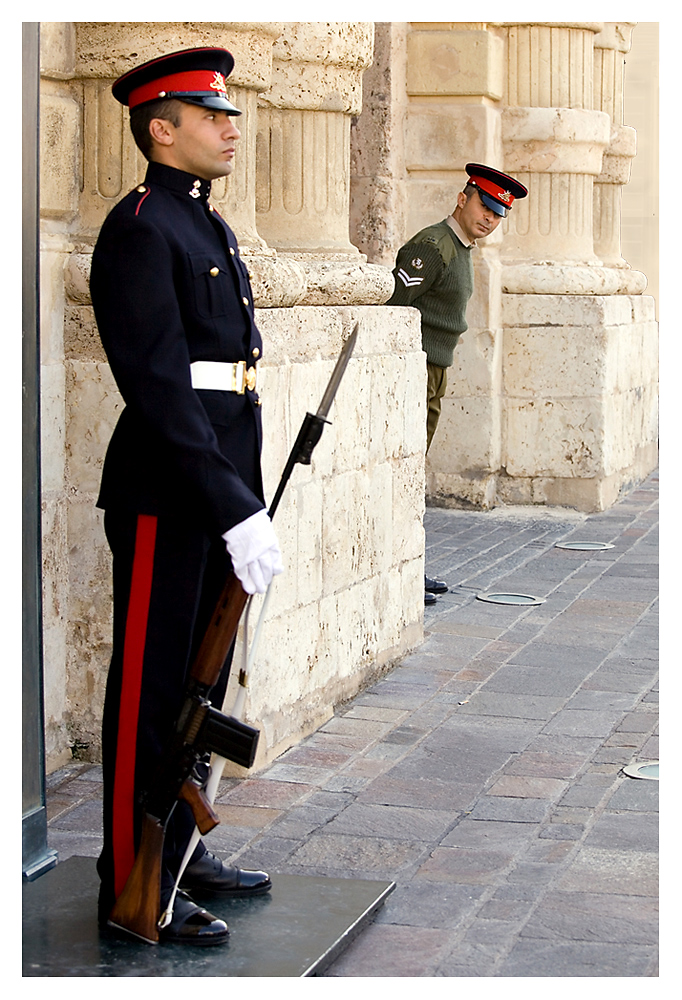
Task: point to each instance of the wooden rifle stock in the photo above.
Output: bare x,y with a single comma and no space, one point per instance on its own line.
137,908
219,635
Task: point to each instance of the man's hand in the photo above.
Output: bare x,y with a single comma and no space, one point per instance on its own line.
253,548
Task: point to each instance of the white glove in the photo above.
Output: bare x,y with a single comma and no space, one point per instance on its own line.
253,548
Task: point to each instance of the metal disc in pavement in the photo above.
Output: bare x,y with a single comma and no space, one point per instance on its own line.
502,598
647,769
584,546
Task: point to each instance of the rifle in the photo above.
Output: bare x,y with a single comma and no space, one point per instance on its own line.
201,729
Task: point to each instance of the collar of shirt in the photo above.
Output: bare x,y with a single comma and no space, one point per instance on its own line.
459,233
178,181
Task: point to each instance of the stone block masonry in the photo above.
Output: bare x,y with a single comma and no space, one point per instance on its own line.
350,602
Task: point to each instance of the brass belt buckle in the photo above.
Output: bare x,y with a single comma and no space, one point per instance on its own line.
239,377
244,379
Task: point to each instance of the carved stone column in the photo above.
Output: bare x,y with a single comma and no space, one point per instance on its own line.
556,132
610,46
303,159
553,142
579,344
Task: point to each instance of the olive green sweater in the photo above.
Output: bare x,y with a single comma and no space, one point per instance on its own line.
434,272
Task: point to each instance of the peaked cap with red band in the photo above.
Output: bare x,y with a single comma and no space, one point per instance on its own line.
195,76
497,190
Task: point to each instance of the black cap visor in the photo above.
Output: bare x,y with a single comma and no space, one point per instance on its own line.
204,100
496,206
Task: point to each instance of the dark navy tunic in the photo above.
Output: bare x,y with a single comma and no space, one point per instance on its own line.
168,288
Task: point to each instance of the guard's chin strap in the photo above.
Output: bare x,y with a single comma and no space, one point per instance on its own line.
218,763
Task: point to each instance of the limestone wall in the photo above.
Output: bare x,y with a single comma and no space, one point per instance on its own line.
554,299
350,525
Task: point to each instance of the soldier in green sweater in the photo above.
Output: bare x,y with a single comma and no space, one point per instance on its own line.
435,273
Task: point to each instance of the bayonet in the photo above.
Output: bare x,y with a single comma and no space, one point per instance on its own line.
337,374
313,423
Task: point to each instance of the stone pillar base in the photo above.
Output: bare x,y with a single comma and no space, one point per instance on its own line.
471,489
575,409
580,397
570,278
344,282
481,490
589,495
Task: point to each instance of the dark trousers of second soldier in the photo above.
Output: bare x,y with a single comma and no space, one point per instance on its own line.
436,384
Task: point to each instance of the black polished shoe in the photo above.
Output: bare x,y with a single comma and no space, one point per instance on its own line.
435,586
192,924
211,875
429,599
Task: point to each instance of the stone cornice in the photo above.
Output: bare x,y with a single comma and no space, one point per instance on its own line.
595,26
570,140
615,35
322,72
107,49
571,279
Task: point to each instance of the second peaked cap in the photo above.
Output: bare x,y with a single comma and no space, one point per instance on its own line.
497,190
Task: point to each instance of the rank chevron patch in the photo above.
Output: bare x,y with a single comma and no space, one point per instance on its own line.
407,280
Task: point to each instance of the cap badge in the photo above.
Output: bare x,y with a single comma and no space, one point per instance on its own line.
505,196
219,84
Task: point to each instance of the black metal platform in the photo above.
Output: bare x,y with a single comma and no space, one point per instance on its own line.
297,929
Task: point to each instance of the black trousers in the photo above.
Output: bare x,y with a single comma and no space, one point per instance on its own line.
167,577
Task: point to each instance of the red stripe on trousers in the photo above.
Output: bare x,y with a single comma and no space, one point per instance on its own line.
129,706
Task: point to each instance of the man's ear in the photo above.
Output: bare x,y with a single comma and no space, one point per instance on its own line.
162,131
461,199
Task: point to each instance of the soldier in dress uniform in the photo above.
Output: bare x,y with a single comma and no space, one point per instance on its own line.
435,273
181,486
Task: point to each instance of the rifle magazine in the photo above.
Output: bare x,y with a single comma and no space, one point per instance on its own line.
230,738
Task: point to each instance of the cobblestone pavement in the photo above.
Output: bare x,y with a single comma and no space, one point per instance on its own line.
484,774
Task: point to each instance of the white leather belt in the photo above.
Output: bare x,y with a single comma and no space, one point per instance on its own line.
225,375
